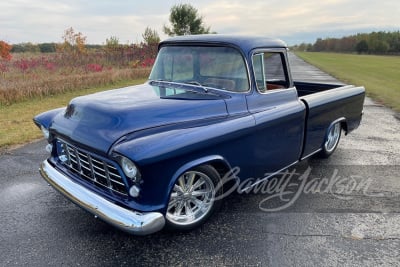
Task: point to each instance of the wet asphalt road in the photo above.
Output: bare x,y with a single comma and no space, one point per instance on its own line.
343,211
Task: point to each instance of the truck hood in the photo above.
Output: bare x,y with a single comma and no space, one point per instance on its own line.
100,119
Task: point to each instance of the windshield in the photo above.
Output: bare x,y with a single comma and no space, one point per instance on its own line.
215,67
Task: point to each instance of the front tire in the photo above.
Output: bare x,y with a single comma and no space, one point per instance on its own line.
331,140
193,198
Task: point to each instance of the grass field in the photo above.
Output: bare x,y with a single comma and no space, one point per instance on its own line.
16,119
380,75
31,83
28,75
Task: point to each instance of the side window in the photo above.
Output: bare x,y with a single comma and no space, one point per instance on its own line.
269,71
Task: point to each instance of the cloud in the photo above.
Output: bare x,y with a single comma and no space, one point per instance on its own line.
46,20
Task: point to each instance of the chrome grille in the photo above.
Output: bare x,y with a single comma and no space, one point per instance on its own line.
91,168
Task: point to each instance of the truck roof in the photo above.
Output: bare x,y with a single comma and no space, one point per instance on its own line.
245,43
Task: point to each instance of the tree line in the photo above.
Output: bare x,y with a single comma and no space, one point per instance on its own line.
184,19
363,43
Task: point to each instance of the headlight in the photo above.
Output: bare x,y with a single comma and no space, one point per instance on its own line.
129,168
62,152
132,172
45,132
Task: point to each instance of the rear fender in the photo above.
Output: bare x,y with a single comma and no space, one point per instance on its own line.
343,124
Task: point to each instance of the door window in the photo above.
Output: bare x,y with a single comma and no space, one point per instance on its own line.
270,71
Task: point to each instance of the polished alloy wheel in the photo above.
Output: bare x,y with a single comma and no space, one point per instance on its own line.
333,138
192,199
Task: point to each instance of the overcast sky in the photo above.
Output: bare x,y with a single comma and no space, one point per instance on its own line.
293,21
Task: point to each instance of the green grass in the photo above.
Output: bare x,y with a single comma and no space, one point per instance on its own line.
380,75
16,122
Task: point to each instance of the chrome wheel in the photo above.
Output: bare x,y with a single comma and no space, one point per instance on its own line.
333,138
192,199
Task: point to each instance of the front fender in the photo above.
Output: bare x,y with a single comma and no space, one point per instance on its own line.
211,160
163,156
45,119
170,143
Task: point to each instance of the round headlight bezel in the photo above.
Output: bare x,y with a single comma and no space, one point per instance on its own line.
129,168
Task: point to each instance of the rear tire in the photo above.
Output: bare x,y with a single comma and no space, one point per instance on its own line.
331,140
193,198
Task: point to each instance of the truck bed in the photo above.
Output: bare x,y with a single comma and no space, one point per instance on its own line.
326,103
307,88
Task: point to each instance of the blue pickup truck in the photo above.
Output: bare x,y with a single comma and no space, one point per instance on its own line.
152,156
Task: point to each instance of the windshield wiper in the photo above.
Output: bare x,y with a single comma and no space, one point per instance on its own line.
194,83
197,84
192,86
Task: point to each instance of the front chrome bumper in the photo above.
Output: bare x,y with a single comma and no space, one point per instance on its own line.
129,221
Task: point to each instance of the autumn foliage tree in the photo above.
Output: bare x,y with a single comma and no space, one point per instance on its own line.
74,43
5,49
73,48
